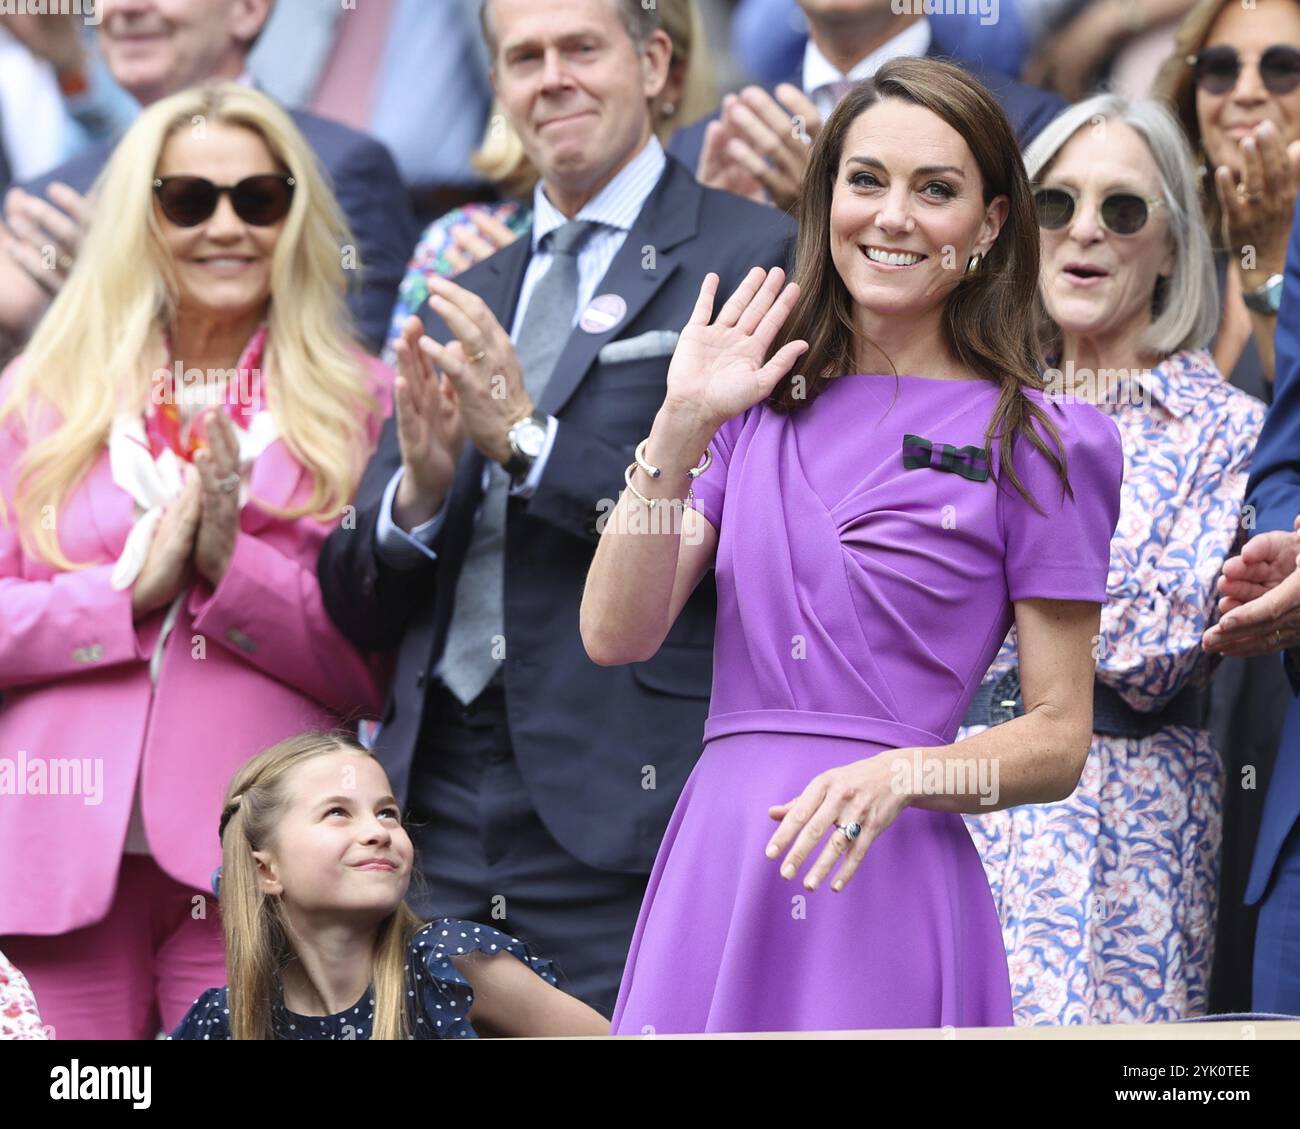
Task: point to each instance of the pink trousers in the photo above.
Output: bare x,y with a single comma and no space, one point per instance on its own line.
134,973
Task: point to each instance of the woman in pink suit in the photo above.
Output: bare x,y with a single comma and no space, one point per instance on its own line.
189,420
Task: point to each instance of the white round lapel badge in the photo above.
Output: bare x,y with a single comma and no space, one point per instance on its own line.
603,313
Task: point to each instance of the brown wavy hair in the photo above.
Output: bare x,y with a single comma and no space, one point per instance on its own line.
991,319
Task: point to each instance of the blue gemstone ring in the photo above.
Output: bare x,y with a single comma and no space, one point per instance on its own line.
851,830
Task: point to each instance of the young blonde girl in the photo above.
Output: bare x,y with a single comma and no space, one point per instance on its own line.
320,943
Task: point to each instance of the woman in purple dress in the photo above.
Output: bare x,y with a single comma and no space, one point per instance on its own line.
873,538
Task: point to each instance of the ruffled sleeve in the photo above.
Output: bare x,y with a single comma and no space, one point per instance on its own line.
443,996
209,1018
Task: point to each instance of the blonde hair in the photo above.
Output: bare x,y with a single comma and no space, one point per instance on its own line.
501,157
258,936
88,357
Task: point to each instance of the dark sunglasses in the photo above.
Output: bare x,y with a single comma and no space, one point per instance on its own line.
1124,213
1217,69
189,200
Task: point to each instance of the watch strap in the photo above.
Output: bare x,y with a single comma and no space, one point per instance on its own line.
1268,298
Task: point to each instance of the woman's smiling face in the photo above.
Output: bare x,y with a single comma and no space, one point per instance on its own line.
908,209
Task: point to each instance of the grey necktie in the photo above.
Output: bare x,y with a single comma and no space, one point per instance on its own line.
475,641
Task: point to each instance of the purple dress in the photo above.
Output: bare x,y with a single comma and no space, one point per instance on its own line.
859,605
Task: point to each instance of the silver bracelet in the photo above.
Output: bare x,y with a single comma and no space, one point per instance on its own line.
689,500
655,472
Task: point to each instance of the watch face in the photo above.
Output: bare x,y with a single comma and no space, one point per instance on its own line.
530,439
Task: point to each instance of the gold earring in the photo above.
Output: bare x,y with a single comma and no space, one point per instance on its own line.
973,265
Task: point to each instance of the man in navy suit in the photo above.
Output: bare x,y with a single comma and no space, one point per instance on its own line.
758,146
540,784
156,49
1261,605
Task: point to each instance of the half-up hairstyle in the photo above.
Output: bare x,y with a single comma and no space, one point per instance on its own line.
258,937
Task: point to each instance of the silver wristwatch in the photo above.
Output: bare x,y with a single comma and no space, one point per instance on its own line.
1268,298
527,437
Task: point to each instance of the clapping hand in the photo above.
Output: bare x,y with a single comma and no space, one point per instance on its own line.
761,143
1259,597
218,467
428,428
168,567
1258,205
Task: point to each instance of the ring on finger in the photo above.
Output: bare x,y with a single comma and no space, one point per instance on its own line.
476,357
850,831
230,483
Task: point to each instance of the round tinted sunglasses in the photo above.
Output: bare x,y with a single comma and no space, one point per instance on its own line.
1123,213
258,200
1217,69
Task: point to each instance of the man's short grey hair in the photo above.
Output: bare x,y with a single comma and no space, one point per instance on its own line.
640,19
1188,312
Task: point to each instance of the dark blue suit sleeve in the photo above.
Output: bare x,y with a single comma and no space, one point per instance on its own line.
370,602
371,193
1274,486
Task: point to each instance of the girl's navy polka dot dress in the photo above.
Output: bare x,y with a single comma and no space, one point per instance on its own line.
440,996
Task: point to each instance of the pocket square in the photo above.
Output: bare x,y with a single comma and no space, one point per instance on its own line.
655,343
969,462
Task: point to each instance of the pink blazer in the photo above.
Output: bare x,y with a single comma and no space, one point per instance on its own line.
247,664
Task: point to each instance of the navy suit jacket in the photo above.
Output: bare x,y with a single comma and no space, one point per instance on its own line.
1028,108
604,750
1274,492
369,190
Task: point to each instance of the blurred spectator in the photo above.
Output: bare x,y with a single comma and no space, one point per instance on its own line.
758,146
768,37
1234,81
160,617
389,68
1113,922
1078,44
56,95
158,47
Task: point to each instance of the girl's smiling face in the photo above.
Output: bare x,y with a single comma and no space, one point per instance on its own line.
340,847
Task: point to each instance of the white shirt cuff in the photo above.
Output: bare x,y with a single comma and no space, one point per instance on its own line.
393,544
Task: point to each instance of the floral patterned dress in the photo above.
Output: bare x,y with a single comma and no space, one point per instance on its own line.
19,1018
1108,898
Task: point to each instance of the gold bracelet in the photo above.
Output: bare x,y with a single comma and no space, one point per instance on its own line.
689,500
655,472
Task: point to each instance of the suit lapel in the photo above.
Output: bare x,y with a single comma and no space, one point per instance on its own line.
643,264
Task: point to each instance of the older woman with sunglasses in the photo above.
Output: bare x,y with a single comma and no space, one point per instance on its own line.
188,421
1107,898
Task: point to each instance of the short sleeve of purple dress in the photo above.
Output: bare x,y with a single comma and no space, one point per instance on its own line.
863,590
